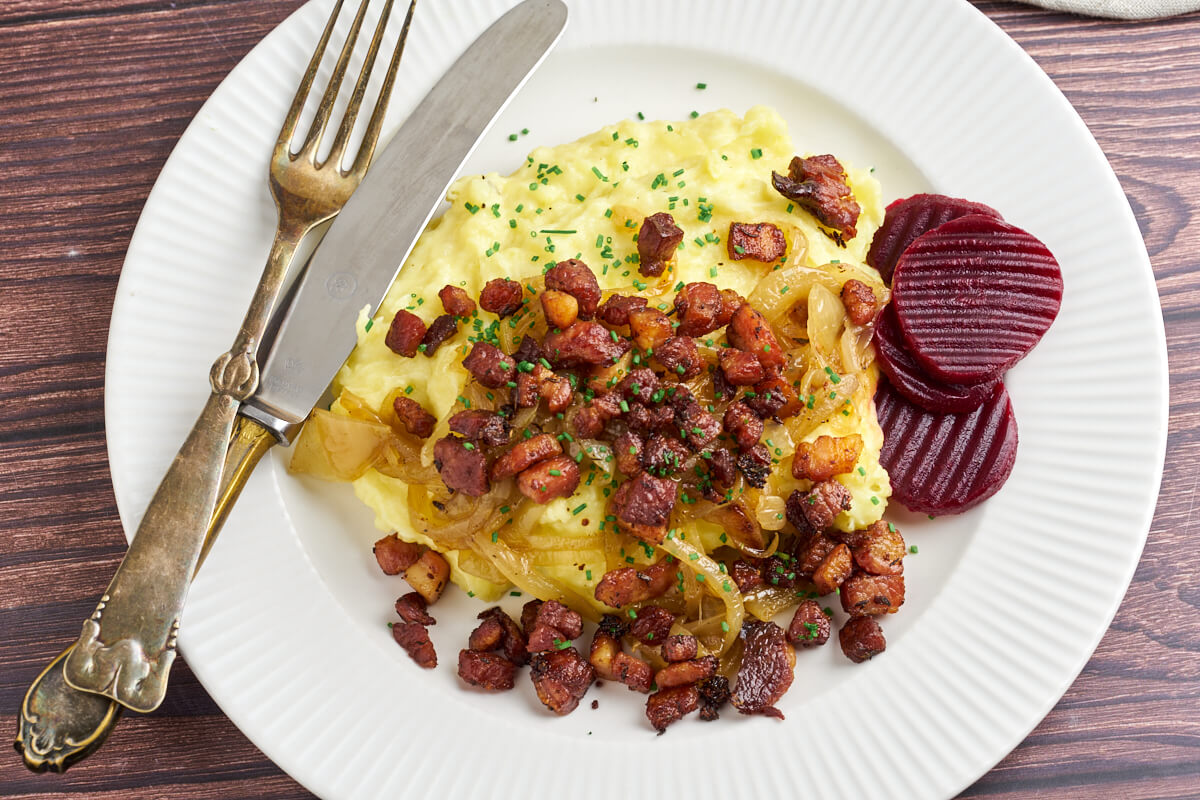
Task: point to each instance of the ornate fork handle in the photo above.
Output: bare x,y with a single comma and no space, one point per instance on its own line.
127,646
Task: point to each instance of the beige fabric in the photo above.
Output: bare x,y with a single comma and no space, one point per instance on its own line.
1123,9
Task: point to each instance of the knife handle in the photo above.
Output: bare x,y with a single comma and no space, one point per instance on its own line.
58,725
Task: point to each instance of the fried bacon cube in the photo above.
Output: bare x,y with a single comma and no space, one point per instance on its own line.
809,626
760,241
697,307
818,184
502,297
861,639
627,585
749,331
462,466
439,331
613,664
880,549
561,678
456,301
414,638
405,333
826,456
652,625
550,479
576,278
490,366
866,595
428,576
658,238
682,673
680,647
650,328
743,425
816,509
680,357
859,301
833,570
490,671
412,608
480,426
498,632
775,397
643,505
396,555
740,368
524,454
616,309
584,344
668,706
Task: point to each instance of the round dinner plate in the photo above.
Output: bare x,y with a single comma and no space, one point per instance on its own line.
286,624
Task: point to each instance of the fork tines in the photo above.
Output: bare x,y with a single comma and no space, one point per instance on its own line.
317,129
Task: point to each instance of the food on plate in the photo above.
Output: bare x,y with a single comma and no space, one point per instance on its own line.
635,382
908,378
973,296
942,463
908,218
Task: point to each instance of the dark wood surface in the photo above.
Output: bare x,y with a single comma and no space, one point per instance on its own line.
94,94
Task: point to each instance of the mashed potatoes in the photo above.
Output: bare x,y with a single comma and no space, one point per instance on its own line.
586,200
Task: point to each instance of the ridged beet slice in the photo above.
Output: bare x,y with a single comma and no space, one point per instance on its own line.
946,463
905,220
973,297
907,377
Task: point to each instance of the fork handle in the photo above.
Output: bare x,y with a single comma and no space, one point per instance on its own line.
127,646
58,725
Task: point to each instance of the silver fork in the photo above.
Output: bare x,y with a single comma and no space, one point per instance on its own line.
127,647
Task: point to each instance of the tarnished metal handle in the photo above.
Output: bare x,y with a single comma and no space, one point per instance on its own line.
59,725
127,646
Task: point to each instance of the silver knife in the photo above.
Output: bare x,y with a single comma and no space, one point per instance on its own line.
353,267
361,254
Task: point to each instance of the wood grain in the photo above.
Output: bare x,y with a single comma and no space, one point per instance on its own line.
95,94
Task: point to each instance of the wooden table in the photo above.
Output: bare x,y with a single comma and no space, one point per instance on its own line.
93,96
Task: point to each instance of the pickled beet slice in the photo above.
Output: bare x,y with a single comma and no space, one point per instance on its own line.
946,463
973,296
907,377
905,220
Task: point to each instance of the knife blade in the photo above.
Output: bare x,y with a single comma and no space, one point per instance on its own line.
369,241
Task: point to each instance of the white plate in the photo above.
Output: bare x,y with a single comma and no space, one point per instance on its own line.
286,624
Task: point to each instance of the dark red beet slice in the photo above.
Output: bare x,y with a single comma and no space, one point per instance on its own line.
905,220
907,377
946,463
973,297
